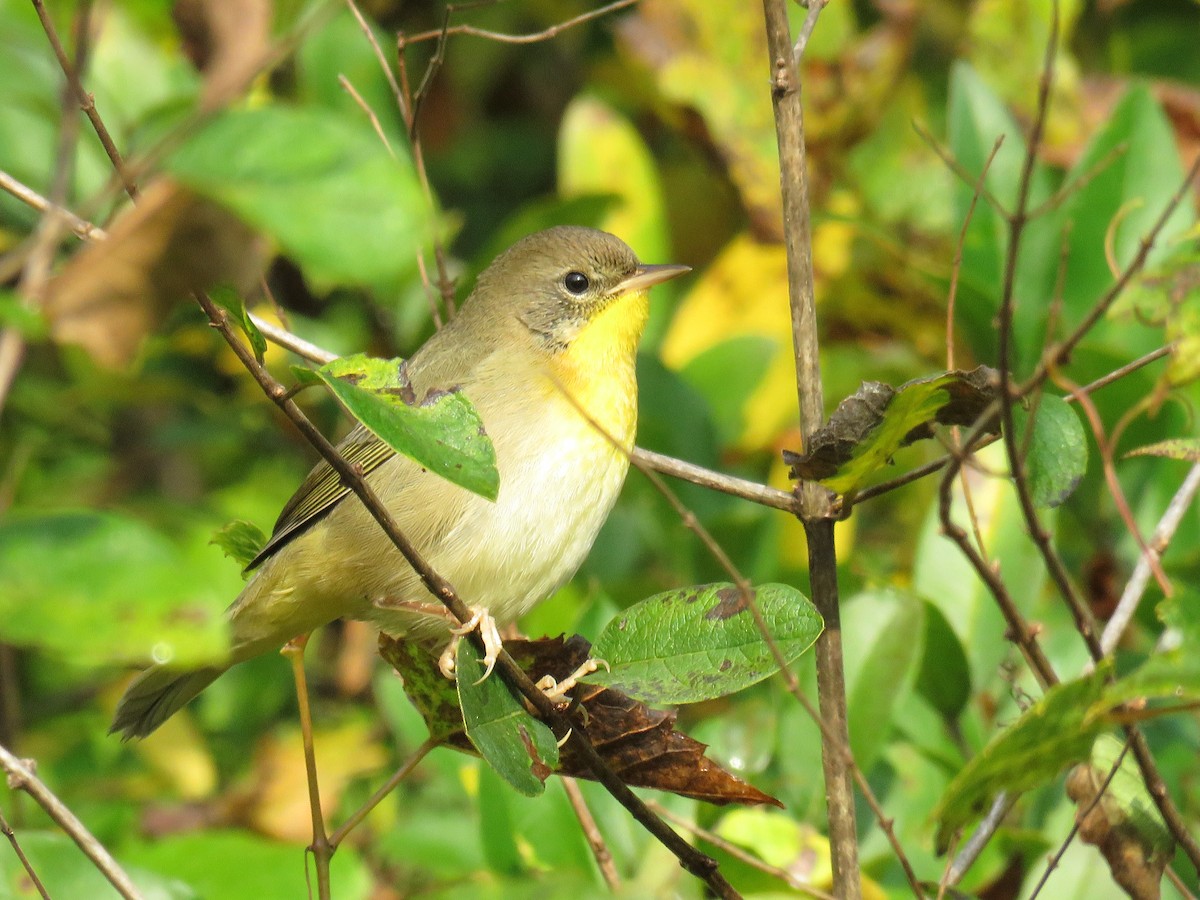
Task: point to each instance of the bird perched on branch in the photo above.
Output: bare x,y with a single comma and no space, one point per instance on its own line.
545,349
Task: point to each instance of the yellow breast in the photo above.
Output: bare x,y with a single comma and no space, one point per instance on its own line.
597,370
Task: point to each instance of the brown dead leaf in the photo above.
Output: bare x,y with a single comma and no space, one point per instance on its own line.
227,40
640,744
114,292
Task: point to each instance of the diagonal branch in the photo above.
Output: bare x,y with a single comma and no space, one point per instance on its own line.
21,777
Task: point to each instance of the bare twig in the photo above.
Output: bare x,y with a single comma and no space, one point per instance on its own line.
1019,631
806,30
320,848
693,861
761,494
401,102
966,856
1054,860
406,768
1107,447
370,113
533,38
815,505
1136,586
86,101
737,852
591,833
21,777
27,195
1061,352
957,168
7,831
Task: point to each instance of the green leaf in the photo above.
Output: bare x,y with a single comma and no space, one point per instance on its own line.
105,588
26,320
944,577
976,118
321,184
241,541
231,301
238,865
726,374
521,749
867,428
1177,448
1055,732
882,634
1055,450
698,643
65,872
305,376
945,676
441,431
1130,168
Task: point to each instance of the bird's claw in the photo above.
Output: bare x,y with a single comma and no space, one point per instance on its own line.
556,691
482,621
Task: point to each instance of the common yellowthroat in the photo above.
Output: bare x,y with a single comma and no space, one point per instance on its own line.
546,341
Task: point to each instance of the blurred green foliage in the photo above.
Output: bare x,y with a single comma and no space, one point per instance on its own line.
654,122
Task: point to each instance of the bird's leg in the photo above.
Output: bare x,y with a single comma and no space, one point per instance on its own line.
482,621
556,691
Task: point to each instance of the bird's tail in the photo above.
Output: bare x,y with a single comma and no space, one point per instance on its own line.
156,695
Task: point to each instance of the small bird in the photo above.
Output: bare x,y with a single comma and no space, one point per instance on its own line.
545,349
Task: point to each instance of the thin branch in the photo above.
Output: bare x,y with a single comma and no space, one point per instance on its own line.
1019,631
1054,860
406,768
1180,829
982,836
957,168
591,833
27,195
86,101
401,103
806,30
1106,445
320,848
1061,352
533,38
370,113
21,777
1135,588
816,508
693,861
740,853
7,831
762,494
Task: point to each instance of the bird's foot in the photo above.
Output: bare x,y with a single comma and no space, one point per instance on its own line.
556,691
482,621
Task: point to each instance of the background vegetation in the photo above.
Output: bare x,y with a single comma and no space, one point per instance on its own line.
654,122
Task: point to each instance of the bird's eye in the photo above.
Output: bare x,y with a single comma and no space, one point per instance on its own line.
576,282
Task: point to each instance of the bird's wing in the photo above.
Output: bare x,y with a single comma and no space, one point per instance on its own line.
322,490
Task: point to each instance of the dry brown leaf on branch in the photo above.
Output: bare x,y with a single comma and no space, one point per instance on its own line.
114,292
640,744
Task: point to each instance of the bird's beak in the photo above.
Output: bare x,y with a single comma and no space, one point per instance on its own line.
645,277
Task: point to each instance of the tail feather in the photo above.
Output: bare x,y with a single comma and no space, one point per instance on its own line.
156,695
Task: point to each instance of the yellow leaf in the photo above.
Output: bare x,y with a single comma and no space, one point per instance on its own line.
281,807
743,292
